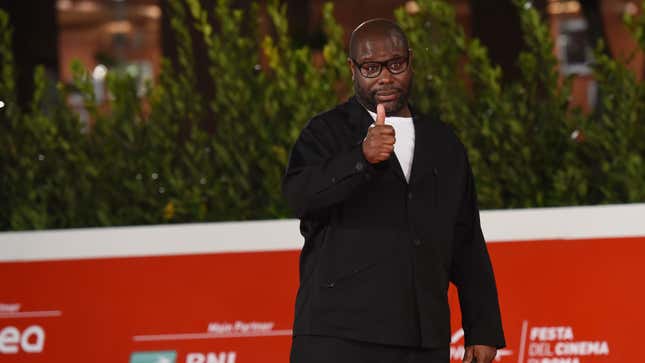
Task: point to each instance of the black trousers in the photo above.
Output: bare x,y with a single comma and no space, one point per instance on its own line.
322,349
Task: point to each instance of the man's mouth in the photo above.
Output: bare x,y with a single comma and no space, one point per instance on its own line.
387,96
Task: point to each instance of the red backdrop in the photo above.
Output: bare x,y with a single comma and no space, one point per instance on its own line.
562,301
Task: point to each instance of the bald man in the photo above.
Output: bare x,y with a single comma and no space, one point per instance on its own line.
388,210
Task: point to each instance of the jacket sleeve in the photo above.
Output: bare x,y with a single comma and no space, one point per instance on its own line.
322,171
472,273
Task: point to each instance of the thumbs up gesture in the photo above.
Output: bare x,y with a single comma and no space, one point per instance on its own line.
379,142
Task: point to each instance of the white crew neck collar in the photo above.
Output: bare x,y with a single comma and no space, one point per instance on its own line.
373,114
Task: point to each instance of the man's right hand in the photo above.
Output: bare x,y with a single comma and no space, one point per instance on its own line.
379,142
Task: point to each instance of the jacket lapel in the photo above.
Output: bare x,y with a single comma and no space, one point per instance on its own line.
359,117
426,150
395,166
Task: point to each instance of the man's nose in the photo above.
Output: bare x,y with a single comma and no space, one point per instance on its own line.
385,76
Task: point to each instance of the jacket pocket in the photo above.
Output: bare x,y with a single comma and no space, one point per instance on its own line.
332,282
349,253
435,188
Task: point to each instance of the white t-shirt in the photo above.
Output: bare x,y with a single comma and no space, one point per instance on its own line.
404,145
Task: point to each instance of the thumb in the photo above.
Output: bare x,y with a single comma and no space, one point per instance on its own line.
380,115
468,355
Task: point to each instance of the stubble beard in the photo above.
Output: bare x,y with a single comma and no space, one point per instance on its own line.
368,99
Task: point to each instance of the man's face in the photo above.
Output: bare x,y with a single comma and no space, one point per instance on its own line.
389,89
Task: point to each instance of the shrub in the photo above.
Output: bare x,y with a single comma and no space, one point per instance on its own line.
145,159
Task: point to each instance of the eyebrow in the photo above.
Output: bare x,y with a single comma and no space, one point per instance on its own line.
371,59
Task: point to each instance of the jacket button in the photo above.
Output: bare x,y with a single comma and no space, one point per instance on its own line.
359,166
330,284
333,180
417,242
410,195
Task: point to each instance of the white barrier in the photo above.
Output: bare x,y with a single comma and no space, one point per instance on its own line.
623,220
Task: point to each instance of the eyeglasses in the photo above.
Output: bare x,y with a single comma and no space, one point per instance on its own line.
372,69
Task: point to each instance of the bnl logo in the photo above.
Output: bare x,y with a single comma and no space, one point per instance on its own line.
171,357
154,357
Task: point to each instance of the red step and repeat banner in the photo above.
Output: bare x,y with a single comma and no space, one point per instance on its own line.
570,283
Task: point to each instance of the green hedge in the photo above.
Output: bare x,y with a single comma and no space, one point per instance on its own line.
146,159
528,147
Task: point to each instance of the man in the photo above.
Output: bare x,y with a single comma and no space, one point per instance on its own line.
388,209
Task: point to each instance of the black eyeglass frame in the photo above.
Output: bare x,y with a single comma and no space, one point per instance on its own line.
382,64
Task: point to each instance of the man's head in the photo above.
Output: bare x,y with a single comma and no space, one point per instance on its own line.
380,62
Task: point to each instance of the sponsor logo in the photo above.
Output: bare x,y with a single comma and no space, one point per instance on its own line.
240,327
9,308
211,357
557,344
543,344
168,356
457,350
30,340
223,330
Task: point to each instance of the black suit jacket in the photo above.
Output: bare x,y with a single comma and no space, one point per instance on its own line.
379,252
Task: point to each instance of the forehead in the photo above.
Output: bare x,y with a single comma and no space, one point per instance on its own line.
380,46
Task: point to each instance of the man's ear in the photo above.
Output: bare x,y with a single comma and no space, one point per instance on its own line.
350,63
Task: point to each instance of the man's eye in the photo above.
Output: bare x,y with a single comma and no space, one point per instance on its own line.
395,65
371,68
